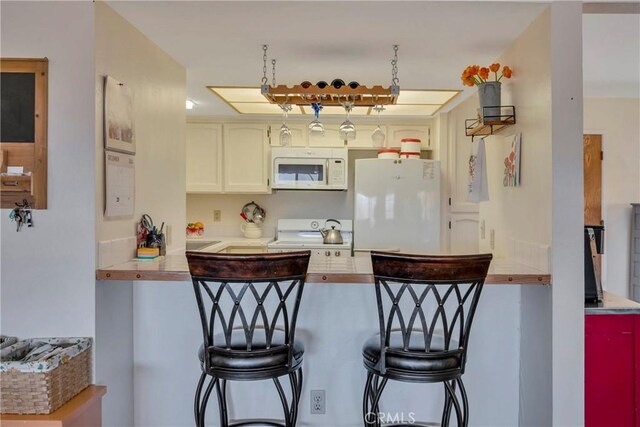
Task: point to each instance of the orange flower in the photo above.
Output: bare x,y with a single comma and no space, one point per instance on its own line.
507,72
484,73
494,67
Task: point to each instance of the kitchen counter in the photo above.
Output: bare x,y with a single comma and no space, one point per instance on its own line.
613,304
356,269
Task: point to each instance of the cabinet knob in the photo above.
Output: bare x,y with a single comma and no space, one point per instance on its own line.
327,253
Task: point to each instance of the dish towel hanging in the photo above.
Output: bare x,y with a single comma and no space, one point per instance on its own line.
478,184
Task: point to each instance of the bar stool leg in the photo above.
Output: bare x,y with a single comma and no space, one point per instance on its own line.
465,402
366,400
283,399
196,400
205,400
446,412
295,380
376,397
450,388
221,391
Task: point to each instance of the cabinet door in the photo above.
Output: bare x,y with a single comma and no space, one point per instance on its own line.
246,158
204,158
363,136
611,370
397,133
299,134
463,233
331,137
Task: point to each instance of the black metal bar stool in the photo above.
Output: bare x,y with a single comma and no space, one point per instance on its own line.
426,306
248,307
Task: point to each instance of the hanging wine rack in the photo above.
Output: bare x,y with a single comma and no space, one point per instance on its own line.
361,96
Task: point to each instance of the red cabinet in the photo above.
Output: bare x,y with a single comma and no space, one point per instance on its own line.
612,370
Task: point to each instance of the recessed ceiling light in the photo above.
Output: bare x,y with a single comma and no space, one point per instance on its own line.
239,94
261,108
190,104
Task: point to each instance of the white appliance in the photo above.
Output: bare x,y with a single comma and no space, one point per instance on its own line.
309,168
397,205
300,234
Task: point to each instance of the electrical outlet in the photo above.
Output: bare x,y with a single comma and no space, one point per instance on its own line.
482,229
318,402
217,215
492,237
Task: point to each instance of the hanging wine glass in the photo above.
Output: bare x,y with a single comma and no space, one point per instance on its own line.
347,128
378,136
285,132
315,127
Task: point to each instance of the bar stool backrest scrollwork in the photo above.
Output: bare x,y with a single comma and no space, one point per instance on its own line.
429,300
243,299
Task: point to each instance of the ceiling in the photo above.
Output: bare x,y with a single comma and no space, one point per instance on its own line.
220,43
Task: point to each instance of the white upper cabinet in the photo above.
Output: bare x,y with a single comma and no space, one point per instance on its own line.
299,134
397,133
246,158
204,158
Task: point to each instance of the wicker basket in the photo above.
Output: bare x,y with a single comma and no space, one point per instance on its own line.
42,387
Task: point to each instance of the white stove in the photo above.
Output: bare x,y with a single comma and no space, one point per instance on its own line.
300,234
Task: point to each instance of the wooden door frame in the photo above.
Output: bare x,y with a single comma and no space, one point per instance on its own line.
603,257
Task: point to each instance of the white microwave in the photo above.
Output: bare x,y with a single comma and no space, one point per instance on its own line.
309,168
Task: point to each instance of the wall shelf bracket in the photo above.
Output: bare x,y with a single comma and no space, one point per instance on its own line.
492,120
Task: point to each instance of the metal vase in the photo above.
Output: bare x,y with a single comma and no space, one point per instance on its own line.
489,93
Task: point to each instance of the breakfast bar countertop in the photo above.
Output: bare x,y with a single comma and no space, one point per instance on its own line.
356,269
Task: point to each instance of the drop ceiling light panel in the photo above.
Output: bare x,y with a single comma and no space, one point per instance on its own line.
411,102
410,110
428,97
238,94
261,108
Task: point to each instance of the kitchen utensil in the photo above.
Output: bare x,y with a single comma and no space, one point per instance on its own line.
253,213
258,215
331,236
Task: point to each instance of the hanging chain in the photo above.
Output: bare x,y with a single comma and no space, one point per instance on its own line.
394,66
264,64
273,71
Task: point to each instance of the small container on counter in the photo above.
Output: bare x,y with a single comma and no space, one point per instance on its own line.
389,153
410,145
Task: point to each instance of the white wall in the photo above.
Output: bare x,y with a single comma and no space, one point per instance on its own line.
158,84
48,271
618,121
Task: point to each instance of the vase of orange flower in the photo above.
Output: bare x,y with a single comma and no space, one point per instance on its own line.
489,91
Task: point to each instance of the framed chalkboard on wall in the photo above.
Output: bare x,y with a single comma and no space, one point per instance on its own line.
23,131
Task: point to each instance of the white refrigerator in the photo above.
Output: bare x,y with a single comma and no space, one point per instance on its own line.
397,205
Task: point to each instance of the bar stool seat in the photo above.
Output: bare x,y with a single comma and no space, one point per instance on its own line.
412,363
261,362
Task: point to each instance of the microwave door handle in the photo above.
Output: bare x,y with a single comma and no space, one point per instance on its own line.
326,173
